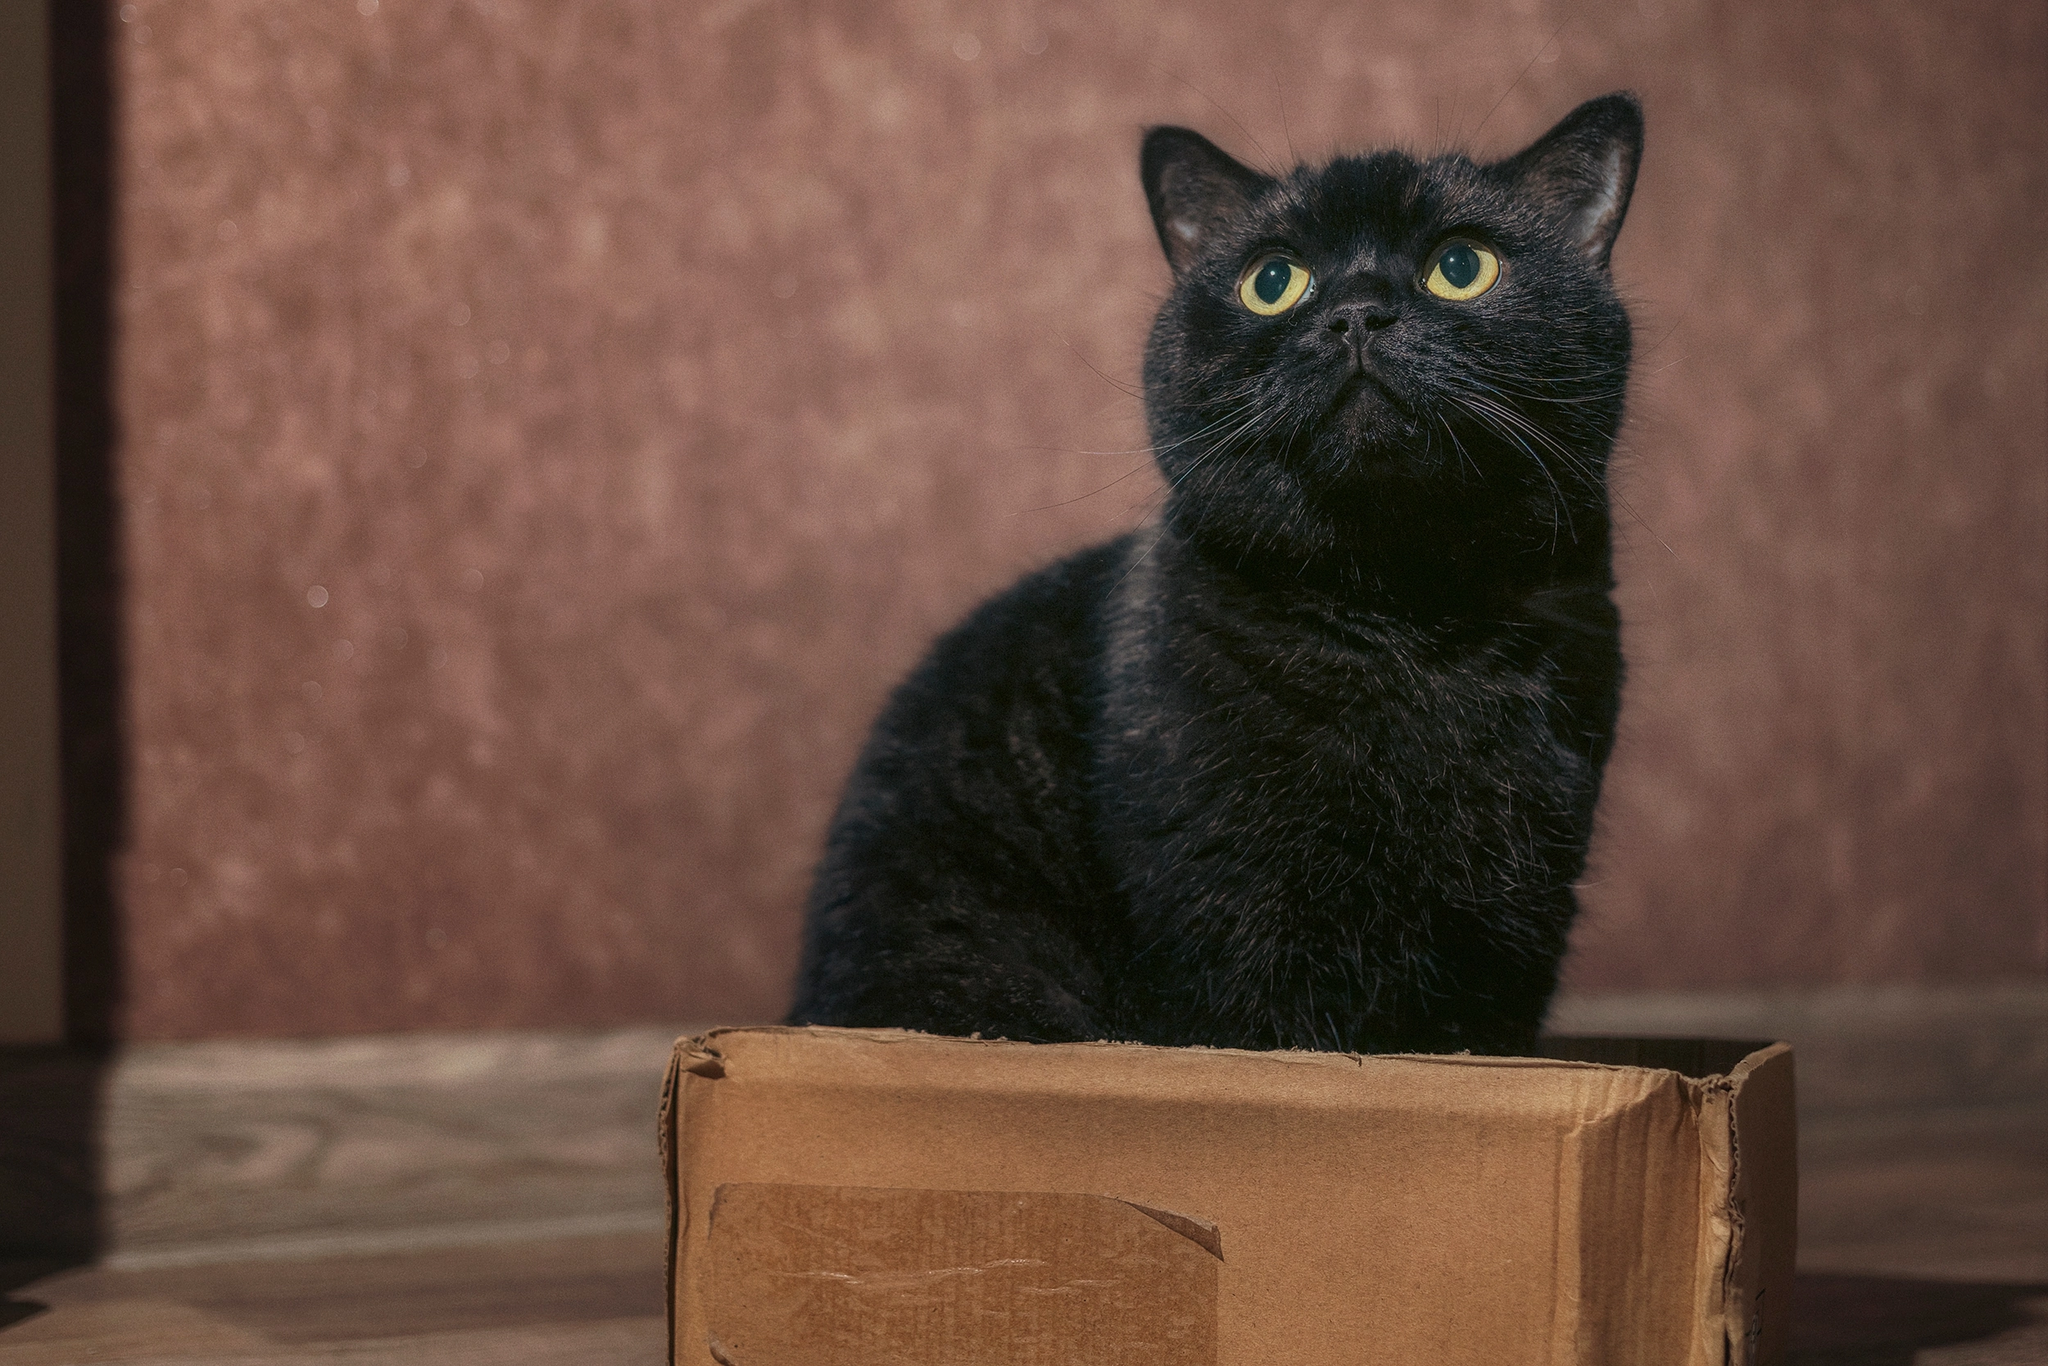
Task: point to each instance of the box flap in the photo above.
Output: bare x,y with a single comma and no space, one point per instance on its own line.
666,1142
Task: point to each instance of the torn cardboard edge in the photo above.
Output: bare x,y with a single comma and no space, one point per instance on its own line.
1395,1196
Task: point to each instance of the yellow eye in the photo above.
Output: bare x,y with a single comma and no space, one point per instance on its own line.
1461,270
1273,284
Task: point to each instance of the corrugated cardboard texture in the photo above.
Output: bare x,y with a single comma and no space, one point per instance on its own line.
641,385
799,1275
1448,1210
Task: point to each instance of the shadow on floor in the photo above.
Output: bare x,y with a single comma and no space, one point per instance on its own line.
50,1100
1850,1320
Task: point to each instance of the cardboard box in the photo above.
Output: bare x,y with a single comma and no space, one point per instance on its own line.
840,1197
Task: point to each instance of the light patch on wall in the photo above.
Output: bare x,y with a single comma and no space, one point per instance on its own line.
591,236
859,326
653,486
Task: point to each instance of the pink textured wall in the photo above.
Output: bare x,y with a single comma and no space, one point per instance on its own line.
546,430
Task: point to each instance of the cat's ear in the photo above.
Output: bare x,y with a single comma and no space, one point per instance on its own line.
1194,188
1584,170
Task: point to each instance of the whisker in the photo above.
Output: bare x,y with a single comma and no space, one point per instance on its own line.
1570,458
1082,498
1100,374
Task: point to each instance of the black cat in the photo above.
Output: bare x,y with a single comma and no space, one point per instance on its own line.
1312,761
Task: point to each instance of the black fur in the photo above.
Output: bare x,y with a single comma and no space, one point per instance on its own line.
1312,762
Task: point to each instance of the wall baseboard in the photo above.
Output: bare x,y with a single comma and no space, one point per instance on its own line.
200,1152
1891,1048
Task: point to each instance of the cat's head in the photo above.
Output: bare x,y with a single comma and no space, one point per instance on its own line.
1392,356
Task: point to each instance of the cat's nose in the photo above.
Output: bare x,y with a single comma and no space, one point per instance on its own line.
1364,317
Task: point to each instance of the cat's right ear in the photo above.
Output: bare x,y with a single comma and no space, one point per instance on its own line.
1194,188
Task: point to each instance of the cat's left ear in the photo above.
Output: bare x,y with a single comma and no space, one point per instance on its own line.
1194,188
1584,170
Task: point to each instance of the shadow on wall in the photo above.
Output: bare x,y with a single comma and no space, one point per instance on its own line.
89,567
51,1098
1886,1320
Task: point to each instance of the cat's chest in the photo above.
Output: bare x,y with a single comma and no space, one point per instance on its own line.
1286,705
1201,690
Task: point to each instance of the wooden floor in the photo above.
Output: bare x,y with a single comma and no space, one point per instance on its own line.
533,1303
1924,1226
1924,1239
1927,1245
